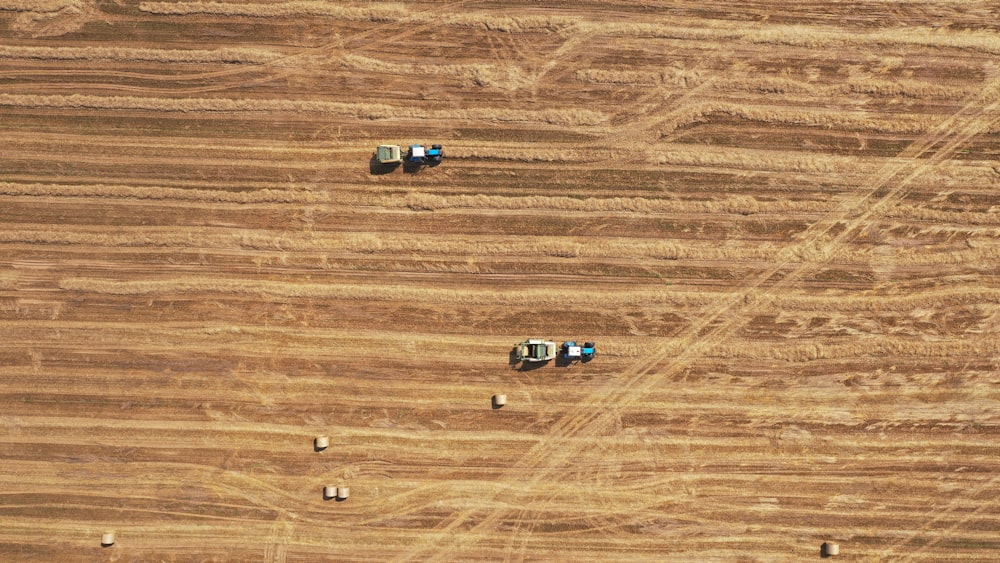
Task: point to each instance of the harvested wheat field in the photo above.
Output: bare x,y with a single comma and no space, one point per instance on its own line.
228,334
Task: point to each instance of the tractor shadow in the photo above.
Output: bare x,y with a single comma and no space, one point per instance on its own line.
410,167
562,362
377,168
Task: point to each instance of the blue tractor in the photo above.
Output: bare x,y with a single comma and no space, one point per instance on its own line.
572,352
419,154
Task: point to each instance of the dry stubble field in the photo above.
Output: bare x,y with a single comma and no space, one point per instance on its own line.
780,222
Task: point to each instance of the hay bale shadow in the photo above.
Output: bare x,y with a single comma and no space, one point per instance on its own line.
828,550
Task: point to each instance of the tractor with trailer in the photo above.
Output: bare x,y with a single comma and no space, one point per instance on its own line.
539,350
388,157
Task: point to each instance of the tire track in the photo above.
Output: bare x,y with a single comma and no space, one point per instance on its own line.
280,67
567,49
594,423
944,512
592,417
637,132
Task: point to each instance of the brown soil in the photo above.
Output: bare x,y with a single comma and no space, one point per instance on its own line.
779,222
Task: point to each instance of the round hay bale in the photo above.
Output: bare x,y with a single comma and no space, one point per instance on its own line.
499,400
321,443
829,549
343,493
329,492
107,539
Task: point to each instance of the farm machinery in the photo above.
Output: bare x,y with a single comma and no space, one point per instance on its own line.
416,155
535,350
388,154
539,350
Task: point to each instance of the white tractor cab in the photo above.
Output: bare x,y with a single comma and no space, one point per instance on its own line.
416,153
572,352
536,350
